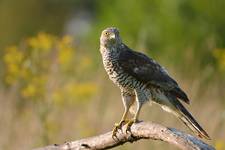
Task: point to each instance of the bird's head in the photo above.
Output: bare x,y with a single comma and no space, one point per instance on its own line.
110,37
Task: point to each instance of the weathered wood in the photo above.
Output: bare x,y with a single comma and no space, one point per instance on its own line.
142,130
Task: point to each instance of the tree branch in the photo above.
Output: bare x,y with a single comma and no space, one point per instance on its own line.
142,130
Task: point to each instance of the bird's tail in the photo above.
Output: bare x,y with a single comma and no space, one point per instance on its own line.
181,112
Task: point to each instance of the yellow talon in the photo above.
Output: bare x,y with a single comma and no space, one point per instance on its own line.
129,124
118,126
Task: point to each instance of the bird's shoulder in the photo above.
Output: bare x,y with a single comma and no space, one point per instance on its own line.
144,68
139,61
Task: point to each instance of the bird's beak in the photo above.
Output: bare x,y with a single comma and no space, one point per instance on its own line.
112,36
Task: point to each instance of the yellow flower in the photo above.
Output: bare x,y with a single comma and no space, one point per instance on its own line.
219,54
220,145
65,56
13,55
29,91
12,58
43,41
67,40
65,51
13,69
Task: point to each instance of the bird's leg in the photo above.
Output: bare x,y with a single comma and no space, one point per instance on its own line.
128,99
119,125
135,119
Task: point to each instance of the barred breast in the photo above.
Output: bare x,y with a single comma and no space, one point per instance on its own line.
115,72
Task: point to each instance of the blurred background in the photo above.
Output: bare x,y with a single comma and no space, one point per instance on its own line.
53,87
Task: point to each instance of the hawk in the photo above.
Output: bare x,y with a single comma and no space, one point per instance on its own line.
142,79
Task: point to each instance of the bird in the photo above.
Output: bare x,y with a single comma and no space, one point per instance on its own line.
141,79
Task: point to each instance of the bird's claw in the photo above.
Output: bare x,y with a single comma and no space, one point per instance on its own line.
118,126
129,124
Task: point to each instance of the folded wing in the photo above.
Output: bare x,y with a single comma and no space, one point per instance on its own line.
149,72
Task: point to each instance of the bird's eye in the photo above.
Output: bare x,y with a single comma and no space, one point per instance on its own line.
106,33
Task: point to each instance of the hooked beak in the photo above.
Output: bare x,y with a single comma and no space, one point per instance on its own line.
112,36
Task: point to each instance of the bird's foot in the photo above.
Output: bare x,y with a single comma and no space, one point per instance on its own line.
130,123
118,126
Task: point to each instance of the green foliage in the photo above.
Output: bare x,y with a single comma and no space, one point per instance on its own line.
175,32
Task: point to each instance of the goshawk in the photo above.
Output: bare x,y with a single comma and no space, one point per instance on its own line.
142,79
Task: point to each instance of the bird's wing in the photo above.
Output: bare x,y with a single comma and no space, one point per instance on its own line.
149,72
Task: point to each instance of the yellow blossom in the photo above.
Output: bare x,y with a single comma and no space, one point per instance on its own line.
13,69
29,91
43,41
65,55
219,54
13,55
67,40
220,145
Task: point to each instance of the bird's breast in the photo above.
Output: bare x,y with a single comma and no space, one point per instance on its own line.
116,73
113,69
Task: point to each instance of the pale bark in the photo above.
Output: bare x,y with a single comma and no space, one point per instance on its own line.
142,130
